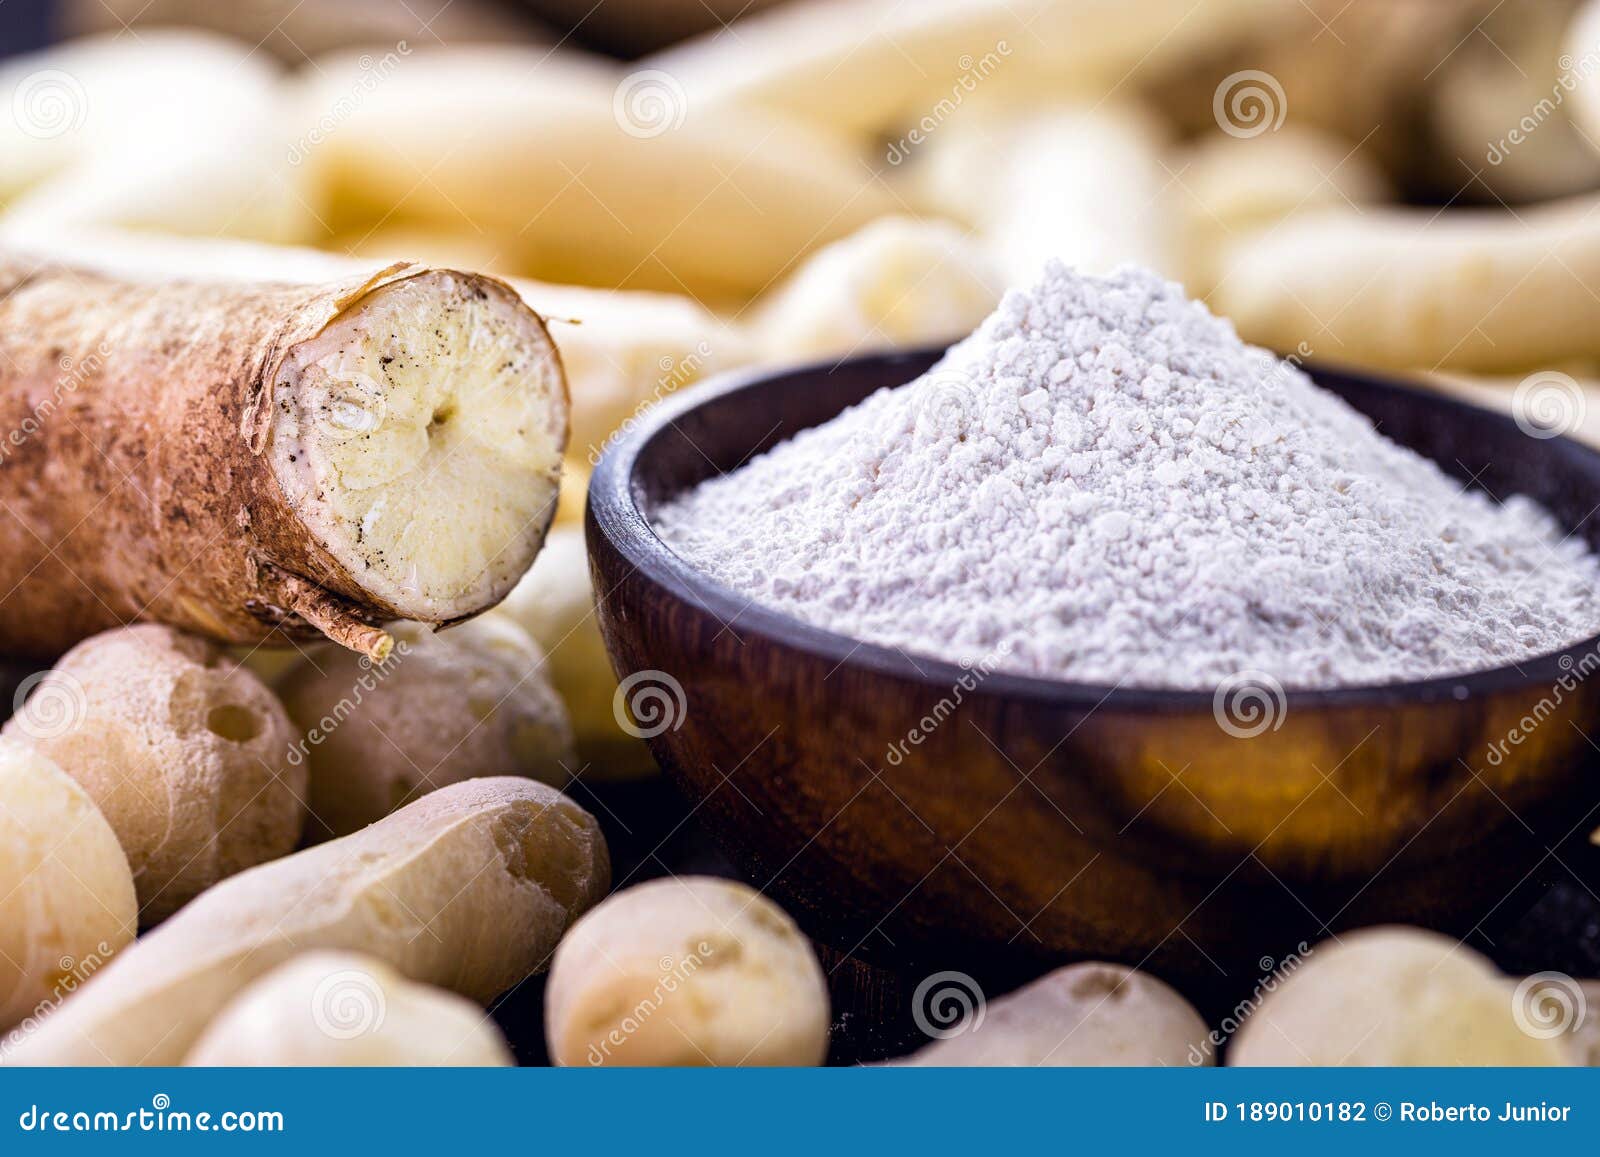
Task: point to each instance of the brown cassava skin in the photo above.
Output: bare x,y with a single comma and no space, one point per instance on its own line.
134,478
469,888
189,804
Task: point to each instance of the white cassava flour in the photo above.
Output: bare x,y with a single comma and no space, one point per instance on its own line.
1104,484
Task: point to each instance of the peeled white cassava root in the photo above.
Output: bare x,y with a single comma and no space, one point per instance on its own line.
1084,1014
1392,996
555,604
468,888
1226,186
310,28
1476,290
443,707
170,130
686,971
901,281
346,1009
66,895
867,66
185,753
1506,105
237,458
1080,183
1234,182
597,174
626,350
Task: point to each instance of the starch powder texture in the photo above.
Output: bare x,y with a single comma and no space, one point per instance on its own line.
1104,484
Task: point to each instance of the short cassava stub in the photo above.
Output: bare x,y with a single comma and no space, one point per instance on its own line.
235,459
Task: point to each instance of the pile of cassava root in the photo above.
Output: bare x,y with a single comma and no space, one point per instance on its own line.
261,812
209,857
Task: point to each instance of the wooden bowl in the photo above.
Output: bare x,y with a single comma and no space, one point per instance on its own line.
914,813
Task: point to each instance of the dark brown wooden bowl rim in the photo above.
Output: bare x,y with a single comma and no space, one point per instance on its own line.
616,510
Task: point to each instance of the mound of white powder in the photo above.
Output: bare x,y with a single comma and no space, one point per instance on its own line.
1104,484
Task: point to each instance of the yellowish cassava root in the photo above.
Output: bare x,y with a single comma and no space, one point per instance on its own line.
346,1009
726,977
1084,1014
1392,996
469,888
1409,288
66,895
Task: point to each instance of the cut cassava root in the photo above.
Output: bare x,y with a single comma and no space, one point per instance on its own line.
238,458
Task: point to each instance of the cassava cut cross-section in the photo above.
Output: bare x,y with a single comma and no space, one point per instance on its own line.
233,459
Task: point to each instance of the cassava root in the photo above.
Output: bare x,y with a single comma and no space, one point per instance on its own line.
234,459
